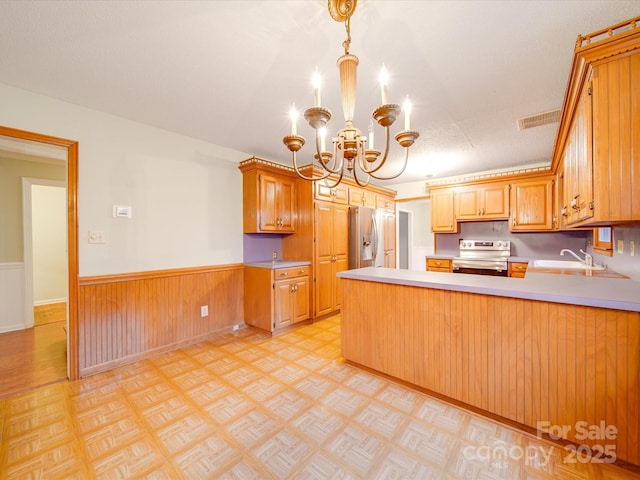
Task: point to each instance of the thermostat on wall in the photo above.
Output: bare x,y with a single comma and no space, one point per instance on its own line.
121,211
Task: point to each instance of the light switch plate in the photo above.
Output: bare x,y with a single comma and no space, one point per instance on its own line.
620,247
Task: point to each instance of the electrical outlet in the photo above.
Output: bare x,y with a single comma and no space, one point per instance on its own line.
235,328
632,248
204,311
620,247
96,236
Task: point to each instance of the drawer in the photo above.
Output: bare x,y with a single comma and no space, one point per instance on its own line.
291,272
517,269
438,265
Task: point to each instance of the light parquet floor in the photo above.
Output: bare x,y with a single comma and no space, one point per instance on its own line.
247,406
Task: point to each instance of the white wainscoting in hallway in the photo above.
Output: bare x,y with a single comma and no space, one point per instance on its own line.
12,302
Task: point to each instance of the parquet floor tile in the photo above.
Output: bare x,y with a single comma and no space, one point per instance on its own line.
248,406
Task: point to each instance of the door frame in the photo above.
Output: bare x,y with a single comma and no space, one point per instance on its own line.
72,236
27,235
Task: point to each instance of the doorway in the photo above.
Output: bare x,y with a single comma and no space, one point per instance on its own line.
404,234
70,149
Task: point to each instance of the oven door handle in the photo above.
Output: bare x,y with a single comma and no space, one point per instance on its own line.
457,265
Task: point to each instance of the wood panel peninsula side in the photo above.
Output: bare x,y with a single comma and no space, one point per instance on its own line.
544,350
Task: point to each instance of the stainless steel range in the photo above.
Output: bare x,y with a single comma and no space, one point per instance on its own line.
483,257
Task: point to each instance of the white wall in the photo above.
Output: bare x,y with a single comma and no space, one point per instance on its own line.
186,194
421,239
49,238
12,305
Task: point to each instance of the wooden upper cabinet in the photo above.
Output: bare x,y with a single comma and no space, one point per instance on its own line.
386,203
577,163
616,140
359,197
269,198
598,144
276,210
442,211
337,194
531,205
482,202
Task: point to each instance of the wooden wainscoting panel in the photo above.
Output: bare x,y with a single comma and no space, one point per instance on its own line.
526,361
142,314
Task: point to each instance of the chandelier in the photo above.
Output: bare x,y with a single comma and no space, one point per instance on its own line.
350,149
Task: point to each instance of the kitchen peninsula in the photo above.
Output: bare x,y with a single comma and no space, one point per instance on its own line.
558,349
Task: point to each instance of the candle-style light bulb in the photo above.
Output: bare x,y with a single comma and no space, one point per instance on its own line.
383,78
316,81
371,145
293,115
407,113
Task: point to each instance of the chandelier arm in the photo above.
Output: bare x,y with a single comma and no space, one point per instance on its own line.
384,157
337,182
355,174
335,168
404,166
303,176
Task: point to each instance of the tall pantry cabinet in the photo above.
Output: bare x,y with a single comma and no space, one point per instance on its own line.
322,234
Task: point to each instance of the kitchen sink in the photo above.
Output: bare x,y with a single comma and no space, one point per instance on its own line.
564,264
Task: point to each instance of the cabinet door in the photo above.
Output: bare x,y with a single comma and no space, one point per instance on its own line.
467,203
267,206
283,313
616,140
323,258
532,205
442,211
286,204
331,254
300,300
277,204
361,198
338,194
495,201
578,166
389,220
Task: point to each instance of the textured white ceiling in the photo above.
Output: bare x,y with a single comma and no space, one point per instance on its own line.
227,71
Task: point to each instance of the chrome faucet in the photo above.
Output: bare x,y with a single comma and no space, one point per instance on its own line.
588,259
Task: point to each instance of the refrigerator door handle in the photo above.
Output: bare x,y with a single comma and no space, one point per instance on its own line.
374,236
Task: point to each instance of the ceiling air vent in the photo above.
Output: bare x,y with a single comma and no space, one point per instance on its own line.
539,119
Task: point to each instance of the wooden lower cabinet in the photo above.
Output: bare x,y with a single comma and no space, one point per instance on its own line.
276,298
517,269
439,265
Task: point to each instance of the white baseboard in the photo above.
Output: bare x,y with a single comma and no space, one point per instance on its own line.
49,301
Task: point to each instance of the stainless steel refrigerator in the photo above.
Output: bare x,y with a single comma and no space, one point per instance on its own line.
366,237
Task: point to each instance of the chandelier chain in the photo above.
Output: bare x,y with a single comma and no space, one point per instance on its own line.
347,42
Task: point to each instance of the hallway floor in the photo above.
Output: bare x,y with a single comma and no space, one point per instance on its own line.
33,357
247,406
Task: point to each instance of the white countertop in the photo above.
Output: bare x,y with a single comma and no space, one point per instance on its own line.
614,293
279,264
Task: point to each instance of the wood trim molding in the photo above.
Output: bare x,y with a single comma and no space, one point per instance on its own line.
72,232
147,275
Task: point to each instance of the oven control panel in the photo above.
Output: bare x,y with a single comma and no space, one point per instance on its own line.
486,245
